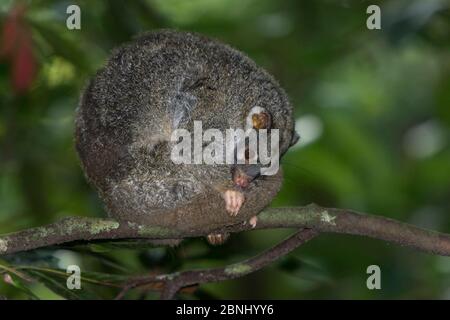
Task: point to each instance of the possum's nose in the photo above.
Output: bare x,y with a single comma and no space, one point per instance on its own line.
243,175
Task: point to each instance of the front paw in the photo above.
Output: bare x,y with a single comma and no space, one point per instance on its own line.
233,201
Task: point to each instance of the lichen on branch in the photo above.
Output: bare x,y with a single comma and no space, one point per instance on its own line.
320,219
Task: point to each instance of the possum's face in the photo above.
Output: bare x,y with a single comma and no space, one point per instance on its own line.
262,150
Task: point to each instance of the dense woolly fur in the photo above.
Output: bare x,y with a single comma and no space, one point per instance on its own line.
162,81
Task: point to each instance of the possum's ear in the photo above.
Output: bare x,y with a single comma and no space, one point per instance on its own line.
295,138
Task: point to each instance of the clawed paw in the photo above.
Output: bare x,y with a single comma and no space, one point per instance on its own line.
233,201
217,238
253,221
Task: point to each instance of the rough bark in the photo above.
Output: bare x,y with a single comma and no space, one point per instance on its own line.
319,219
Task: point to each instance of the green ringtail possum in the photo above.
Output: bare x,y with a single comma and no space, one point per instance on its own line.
163,81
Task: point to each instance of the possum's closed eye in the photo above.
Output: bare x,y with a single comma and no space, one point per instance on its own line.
258,118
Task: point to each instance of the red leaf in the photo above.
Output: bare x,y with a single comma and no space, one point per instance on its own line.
9,37
12,31
17,46
24,65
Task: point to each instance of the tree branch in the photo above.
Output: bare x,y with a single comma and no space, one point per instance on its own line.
173,282
328,220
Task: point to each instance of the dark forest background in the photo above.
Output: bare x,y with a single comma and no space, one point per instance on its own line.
372,107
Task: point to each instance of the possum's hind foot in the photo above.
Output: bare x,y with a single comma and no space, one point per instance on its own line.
217,238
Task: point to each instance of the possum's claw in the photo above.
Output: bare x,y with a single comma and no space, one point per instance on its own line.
253,221
217,238
233,201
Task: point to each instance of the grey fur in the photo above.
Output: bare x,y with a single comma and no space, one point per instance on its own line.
162,81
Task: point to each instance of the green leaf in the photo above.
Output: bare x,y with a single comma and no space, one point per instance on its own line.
58,286
17,282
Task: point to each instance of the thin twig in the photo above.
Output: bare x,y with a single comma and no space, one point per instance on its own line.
176,281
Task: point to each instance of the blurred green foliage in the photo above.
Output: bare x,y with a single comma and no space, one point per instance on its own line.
372,107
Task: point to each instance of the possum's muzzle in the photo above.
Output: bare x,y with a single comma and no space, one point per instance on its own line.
244,174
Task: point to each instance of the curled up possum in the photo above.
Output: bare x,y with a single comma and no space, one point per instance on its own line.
161,82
